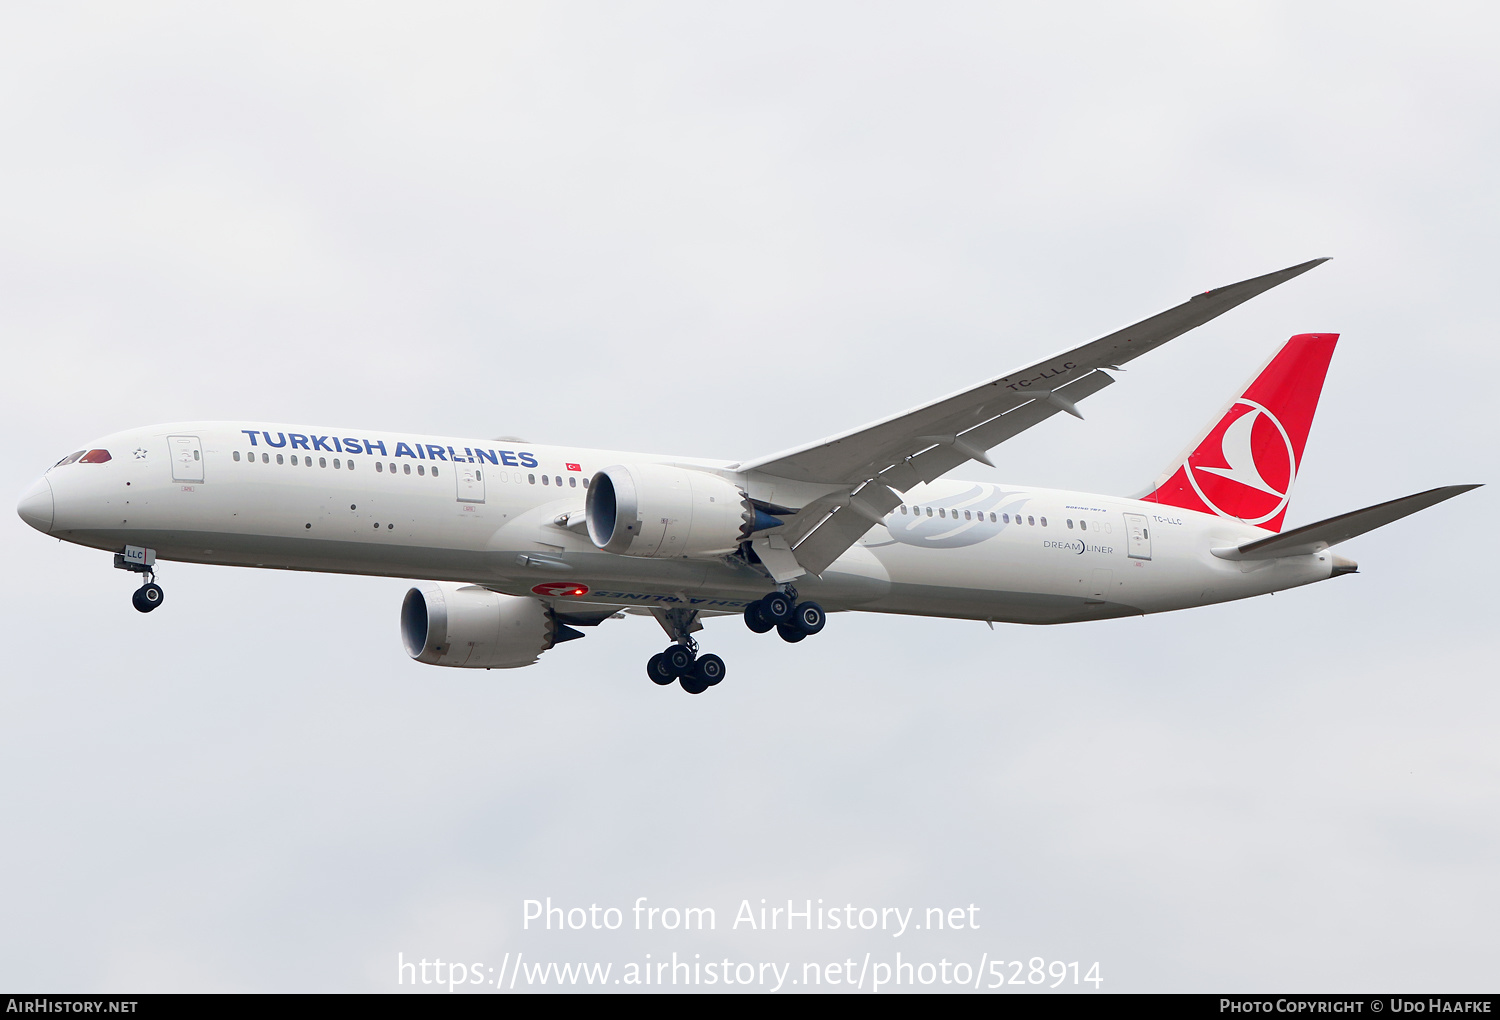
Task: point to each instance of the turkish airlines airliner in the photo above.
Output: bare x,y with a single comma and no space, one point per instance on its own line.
517,545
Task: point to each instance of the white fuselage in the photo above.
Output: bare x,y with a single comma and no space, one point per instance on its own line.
496,513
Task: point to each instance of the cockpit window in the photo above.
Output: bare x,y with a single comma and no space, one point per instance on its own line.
70,458
95,457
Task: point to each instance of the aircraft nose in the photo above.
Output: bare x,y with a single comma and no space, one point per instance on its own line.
35,507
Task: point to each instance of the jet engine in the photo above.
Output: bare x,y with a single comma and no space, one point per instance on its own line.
446,624
656,510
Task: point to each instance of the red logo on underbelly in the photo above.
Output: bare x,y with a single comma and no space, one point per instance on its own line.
560,589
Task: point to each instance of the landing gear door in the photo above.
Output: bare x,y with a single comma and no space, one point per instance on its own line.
187,458
1138,537
470,482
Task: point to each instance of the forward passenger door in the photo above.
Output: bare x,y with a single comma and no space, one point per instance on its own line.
187,458
470,480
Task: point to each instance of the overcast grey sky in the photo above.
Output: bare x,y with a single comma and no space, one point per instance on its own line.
721,230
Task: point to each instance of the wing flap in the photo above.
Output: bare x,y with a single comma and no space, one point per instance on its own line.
837,531
824,528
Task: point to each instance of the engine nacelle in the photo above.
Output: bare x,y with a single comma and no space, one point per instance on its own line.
445,624
662,511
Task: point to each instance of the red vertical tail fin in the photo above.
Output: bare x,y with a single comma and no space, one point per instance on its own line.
1244,465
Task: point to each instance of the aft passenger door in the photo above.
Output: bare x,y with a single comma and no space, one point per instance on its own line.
470,482
1137,537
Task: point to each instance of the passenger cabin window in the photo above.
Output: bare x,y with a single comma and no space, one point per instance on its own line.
379,467
336,462
279,460
265,458
322,462
941,513
544,479
1031,521
1083,525
557,479
531,479
434,470
572,482
1044,522
406,469
585,483
236,456
421,469
294,460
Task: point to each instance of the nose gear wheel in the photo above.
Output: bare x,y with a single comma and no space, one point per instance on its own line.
147,597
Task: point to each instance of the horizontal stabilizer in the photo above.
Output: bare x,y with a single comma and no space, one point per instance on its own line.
1313,538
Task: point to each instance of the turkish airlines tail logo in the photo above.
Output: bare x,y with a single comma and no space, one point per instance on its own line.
1244,465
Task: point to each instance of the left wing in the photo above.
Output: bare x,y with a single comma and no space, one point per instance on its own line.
874,464
1311,538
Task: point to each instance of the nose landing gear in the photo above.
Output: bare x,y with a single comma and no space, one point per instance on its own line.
141,561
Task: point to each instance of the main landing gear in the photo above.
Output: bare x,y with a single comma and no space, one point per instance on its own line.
681,661
696,673
791,619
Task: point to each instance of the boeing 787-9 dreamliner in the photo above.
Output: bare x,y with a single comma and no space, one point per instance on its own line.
517,545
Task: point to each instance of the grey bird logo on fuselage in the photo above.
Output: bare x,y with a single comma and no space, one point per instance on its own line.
950,529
